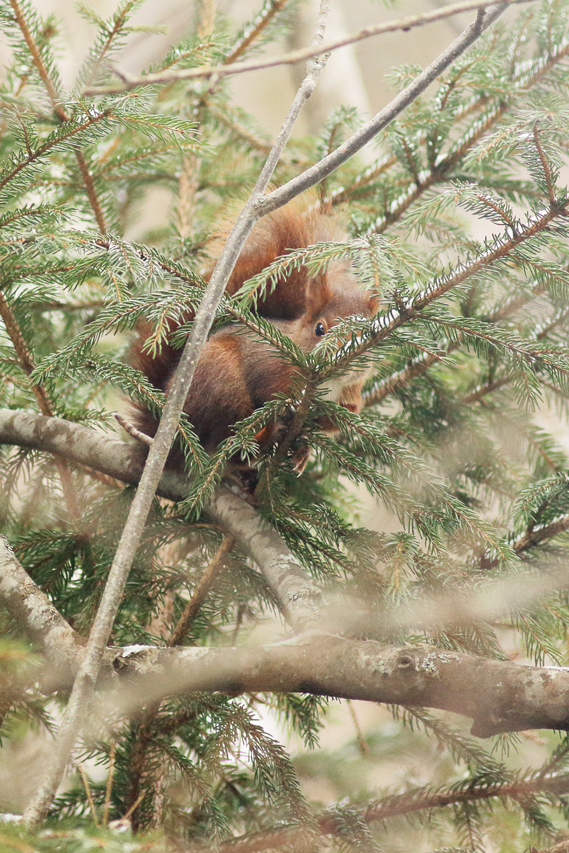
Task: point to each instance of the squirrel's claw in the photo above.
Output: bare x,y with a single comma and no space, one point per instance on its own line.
299,458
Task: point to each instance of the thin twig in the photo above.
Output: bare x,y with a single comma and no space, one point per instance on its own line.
87,786
362,743
110,777
127,814
133,431
481,391
294,56
545,165
202,588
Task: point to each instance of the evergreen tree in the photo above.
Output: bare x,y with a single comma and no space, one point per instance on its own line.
461,225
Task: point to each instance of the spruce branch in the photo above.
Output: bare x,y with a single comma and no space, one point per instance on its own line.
407,803
481,391
523,81
340,195
402,378
420,365
301,55
385,163
119,21
439,173
536,535
560,847
270,9
495,383
189,173
44,403
60,112
232,122
52,142
385,326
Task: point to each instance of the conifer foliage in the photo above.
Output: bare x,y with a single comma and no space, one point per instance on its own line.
461,226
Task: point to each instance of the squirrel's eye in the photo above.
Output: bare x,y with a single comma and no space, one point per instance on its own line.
320,330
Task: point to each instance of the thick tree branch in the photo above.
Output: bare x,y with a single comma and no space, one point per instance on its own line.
299,598
40,622
499,696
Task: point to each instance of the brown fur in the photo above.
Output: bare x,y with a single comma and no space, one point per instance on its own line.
237,373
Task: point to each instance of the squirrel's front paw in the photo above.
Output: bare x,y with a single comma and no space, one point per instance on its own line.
300,457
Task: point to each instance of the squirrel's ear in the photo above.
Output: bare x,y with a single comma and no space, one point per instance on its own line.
374,302
274,236
318,294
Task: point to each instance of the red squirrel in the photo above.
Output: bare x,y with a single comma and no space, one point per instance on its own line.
237,372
